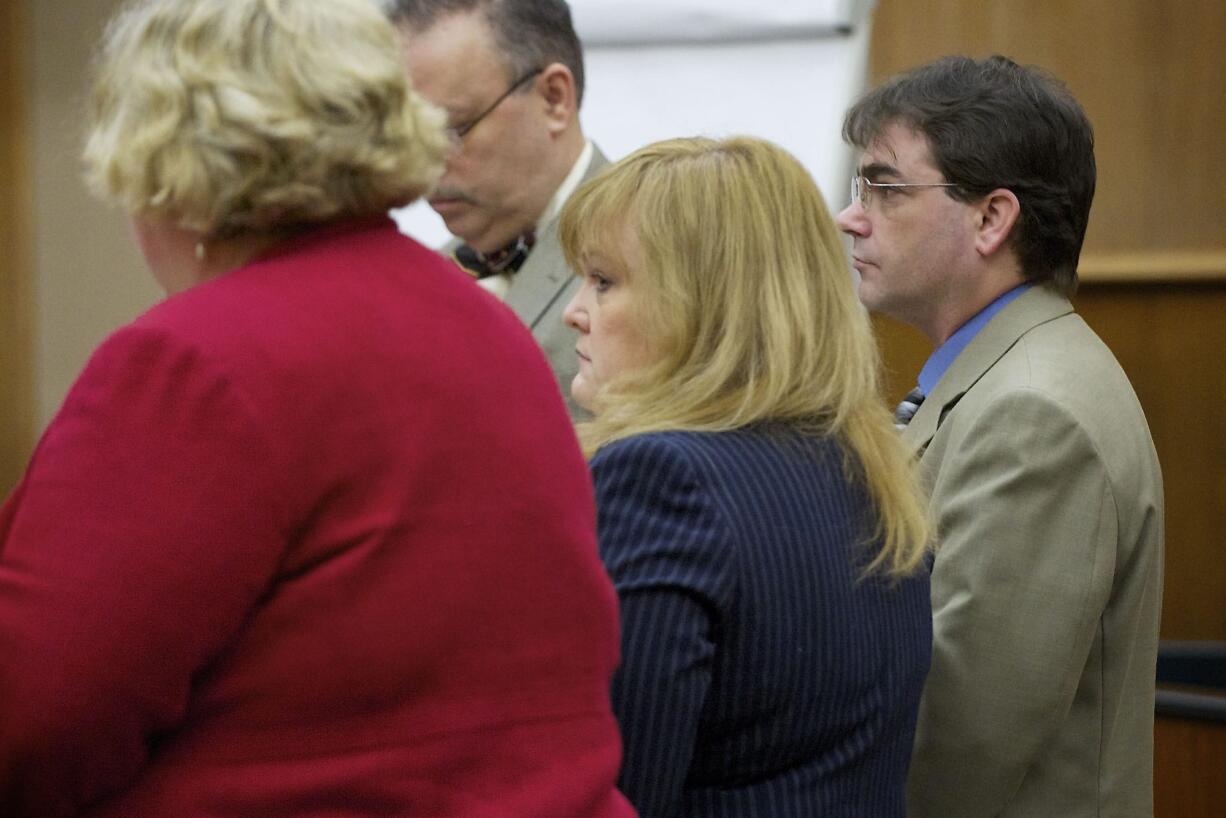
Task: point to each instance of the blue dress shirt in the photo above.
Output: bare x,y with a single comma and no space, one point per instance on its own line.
947,353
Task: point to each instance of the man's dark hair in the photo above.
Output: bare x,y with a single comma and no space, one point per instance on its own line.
995,124
531,34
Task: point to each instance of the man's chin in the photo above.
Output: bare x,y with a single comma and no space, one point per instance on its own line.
883,304
868,295
463,226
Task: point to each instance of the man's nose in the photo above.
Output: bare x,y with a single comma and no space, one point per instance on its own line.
455,146
853,221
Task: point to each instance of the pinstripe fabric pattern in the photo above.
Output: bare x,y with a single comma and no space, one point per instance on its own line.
759,677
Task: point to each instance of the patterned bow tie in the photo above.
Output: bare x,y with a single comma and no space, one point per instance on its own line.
507,260
907,408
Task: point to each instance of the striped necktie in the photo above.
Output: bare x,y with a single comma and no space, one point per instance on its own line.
907,409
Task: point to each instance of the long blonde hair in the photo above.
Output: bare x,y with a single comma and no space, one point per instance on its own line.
748,299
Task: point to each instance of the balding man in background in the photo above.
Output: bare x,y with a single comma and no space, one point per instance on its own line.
509,75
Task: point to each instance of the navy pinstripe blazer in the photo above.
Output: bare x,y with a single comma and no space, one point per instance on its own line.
760,676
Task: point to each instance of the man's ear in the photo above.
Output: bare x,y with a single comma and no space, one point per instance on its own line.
998,213
556,84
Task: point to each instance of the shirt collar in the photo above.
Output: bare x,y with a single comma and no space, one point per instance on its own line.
572,180
946,353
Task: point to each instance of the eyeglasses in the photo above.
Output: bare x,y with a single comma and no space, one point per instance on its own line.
458,132
862,188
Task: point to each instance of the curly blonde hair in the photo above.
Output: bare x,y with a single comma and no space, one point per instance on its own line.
238,116
747,297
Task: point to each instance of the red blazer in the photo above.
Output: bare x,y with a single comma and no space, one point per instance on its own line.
311,539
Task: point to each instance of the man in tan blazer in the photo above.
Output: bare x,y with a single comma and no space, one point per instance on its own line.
509,74
968,213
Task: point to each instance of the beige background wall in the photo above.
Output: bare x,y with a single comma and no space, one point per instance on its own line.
69,272
16,277
88,275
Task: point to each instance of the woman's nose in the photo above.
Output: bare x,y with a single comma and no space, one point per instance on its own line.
575,316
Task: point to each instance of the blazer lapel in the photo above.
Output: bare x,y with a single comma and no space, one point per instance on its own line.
540,281
545,275
1036,306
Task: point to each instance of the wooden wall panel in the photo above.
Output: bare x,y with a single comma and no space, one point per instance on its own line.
1189,757
1170,340
1154,264
1149,76
904,350
16,307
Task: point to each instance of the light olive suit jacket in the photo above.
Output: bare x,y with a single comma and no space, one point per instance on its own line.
1047,581
540,291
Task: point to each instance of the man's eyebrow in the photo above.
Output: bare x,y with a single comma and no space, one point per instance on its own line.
875,170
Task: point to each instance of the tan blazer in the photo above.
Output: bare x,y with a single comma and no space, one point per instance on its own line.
1047,581
540,291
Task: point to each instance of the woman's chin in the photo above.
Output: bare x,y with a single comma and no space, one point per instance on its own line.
582,392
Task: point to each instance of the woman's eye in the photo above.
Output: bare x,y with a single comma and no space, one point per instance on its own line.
599,282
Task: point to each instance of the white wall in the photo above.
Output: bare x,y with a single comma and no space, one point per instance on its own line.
784,70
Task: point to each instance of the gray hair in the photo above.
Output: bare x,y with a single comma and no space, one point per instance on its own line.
530,34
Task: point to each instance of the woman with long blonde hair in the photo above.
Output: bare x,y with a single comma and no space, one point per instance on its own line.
757,513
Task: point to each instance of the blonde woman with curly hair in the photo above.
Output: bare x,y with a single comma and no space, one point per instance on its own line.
756,510
313,536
